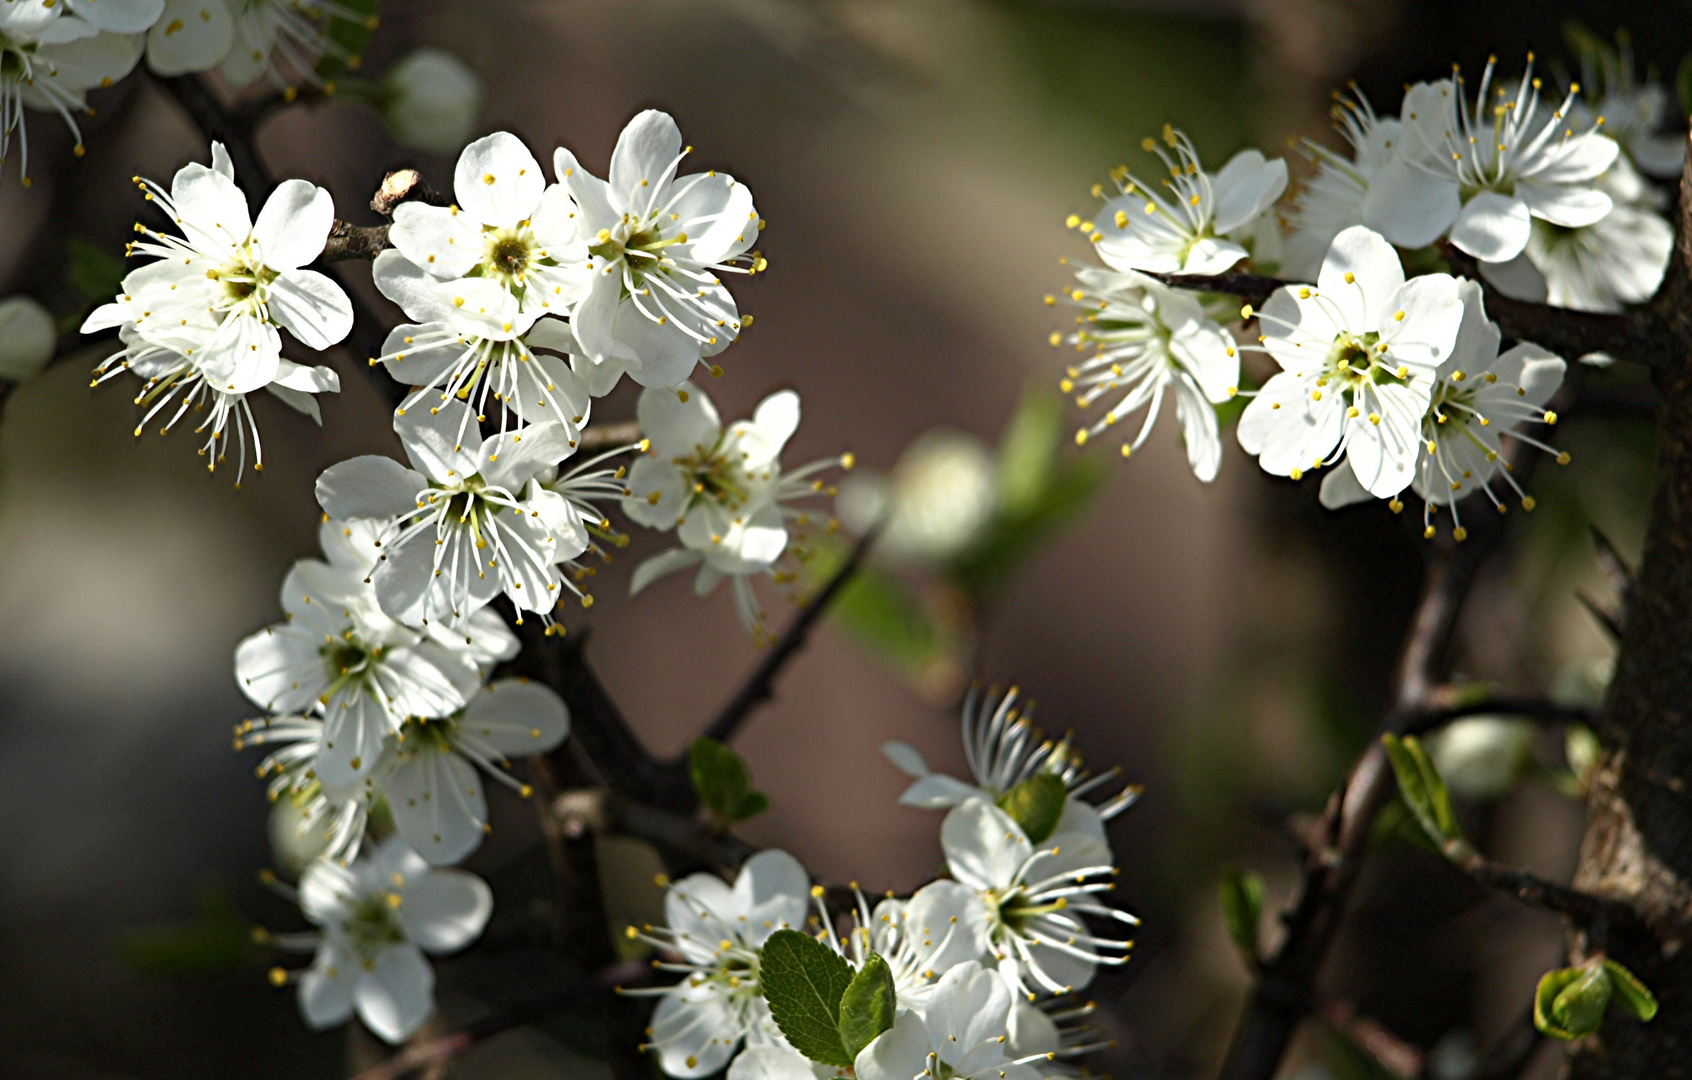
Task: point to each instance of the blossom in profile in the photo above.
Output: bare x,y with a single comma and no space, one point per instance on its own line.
376,920
657,239
188,36
723,491
202,323
284,40
713,935
1184,223
1337,195
1485,173
1358,352
1147,340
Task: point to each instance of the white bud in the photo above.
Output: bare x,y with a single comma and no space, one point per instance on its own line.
27,338
940,496
293,843
1479,757
431,100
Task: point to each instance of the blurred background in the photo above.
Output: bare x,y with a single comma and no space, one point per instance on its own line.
1227,645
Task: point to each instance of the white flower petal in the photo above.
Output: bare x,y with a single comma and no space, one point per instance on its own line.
445,910
189,36
293,225
397,995
517,717
370,486
1246,186
497,181
645,150
1493,227
312,307
443,242
439,809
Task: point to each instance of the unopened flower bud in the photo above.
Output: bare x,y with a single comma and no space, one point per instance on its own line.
27,338
431,100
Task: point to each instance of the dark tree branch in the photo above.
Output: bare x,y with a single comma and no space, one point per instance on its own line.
447,1047
1285,991
1542,710
1581,908
222,125
760,686
354,242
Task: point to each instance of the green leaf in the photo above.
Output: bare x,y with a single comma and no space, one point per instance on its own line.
1013,536
751,805
804,982
1028,450
1630,993
1552,984
92,272
1683,83
348,37
1242,908
216,939
723,781
880,611
1424,792
1036,804
866,1009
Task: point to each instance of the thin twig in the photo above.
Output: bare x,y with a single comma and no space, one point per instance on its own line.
450,1046
354,242
605,436
760,686
1543,710
1581,908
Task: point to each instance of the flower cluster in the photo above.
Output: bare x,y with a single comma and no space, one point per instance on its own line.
982,964
201,324
1389,380
383,715
52,52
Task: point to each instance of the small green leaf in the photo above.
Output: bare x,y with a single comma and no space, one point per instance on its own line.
723,781
1424,792
1551,984
866,1009
92,272
1242,908
1630,993
751,805
1028,450
1036,804
804,982
1683,83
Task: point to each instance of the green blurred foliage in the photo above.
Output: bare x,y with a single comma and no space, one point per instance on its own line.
216,939
1242,909
1424,792
348,37
1036,804
723,782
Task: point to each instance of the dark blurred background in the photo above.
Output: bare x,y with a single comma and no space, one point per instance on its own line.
1227,645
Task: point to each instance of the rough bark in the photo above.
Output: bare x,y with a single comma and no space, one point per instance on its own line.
1638,844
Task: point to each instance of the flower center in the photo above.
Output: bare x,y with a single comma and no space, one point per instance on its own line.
508,253
346,658
716,478
372,927
418,734
1355,362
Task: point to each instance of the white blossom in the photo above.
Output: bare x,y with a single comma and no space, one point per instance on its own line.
1030,898
1148,340
1357,353
723,491
437,800
960,1034
1186,228
1486,174
1480,757
1002,748
466,523
451,350
1338,194
1632,111
920,939
713,936
657,240
1478,397
337,656
201,324
48,62
329,817
507,253
285,39
430,100
28,338
1601,267
189,36
377,918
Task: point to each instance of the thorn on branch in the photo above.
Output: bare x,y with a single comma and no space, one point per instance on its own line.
1610,621
1610,560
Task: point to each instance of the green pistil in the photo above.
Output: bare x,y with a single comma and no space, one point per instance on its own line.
372,926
